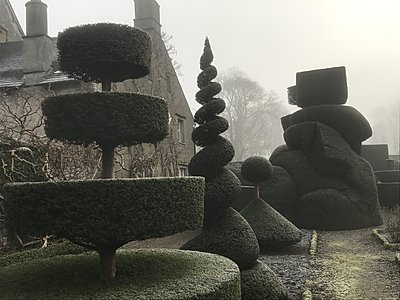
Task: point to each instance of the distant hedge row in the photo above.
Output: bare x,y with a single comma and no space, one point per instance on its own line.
106,212
106,118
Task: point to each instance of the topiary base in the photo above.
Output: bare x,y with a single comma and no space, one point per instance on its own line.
141,274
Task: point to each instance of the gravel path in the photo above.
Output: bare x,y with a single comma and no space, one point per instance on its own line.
291,265
353,265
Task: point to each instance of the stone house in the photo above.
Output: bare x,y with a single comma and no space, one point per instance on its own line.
29,73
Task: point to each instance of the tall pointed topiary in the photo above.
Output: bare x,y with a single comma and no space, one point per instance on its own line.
225,232
222,186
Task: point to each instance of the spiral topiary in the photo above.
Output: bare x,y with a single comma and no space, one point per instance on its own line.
210,162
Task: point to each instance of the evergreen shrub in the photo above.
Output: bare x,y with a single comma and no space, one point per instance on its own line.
104,52
256,169
106,118
98,213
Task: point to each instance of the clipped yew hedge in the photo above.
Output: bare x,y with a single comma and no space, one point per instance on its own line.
144,274
104,52
99,213
106,118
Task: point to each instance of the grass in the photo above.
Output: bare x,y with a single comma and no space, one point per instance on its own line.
391,221
141,274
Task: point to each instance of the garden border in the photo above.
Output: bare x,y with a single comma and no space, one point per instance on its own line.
386,244
307,294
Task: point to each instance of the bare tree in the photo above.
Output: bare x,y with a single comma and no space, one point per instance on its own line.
253,115
387,129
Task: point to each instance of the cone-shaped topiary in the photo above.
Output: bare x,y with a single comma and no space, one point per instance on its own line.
271,228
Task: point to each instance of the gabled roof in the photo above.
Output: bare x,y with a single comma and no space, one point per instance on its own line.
8,7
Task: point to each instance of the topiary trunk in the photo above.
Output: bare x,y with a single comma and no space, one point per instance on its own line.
107,161
107,264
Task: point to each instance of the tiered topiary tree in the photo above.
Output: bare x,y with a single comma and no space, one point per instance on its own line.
105,214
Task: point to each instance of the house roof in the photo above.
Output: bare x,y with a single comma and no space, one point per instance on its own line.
14,17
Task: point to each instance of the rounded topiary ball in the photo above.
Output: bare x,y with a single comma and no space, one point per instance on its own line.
104,52
256,169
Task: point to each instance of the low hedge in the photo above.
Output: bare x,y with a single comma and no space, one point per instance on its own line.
56,249
142,274
106,213
104,52
106,118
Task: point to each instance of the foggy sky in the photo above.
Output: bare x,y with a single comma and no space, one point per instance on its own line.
270,40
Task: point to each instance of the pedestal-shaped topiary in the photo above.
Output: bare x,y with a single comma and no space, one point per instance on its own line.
225,231
105,214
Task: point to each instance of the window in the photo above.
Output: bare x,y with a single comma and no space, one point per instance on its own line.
181,130
183,171
3,35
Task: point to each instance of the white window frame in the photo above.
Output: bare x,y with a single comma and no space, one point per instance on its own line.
181,130
183,171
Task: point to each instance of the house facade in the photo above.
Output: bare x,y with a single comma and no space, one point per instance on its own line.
29,73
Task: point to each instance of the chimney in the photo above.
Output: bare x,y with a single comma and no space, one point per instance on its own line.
147,15
37,45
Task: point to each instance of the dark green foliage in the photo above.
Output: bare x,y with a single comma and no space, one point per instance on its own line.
106,118
21,162
143,274
271,228
59,248
209,110
260,283
231,236
305,177
256,169
206,94
346,120
324,86
207,75
209,161
106,213
220,193
207,57
388,175
208,132
389,194
104,52
329,209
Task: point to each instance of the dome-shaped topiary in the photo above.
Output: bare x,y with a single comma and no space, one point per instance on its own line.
104,52
106,118
256,169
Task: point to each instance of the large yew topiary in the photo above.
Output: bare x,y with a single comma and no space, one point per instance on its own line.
105,214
